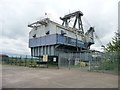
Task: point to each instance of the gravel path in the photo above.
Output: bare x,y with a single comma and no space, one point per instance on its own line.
25,77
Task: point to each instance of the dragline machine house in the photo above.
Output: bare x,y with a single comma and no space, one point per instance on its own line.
50,38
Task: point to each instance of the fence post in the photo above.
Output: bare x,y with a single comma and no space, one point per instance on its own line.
25,60
89,65
58,61
15,60
69,63
20,61
31,61
8,61
11,60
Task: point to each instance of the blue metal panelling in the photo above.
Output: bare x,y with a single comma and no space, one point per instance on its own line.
32,42
37,41
54,39
69,41
51,39
41,41
73,42
80,44
60,39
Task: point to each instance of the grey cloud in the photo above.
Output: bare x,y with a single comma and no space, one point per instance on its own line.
16,14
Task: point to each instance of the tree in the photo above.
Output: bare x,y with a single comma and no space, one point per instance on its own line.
113,51
114,45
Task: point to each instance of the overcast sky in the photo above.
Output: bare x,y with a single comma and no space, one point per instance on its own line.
15,15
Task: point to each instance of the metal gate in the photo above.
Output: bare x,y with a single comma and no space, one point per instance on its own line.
92,61
74,60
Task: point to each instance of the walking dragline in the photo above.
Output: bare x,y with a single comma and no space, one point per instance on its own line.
50,38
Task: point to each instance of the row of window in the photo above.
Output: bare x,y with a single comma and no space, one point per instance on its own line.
48,32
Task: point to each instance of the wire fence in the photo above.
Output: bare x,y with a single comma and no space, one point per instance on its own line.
74,60
28,62
89,61
108,62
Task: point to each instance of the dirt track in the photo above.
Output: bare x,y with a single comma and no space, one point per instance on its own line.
25,77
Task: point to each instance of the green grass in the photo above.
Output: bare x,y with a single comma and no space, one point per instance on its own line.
27,63
109,67
20,62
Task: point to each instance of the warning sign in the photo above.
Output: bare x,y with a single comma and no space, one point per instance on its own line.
54,59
